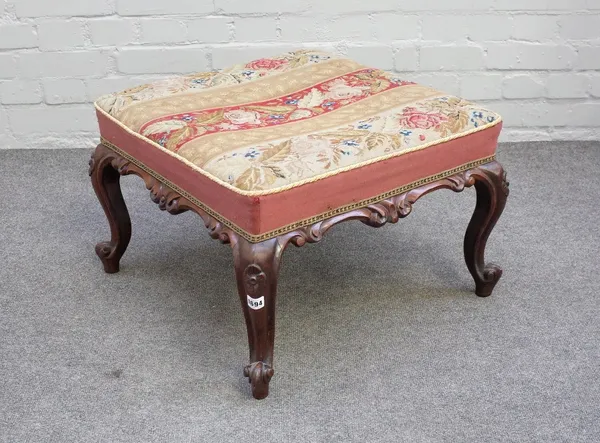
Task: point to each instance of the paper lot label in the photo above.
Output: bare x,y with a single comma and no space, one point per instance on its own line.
256,303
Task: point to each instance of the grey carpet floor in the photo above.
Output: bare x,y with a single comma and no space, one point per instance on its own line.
379,335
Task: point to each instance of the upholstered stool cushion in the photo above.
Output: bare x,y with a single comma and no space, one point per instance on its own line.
280,143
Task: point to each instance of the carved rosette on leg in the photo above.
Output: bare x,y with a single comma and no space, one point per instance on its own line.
257,269
105,175
492,191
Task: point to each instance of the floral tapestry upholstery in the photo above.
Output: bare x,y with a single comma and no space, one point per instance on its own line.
274,124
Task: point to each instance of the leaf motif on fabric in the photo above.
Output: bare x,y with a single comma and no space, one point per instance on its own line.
346,134
378,139
329,158
271,174
164,126
222,79
311,100
137,89
337,156
444,105
276,171
211,118
271,109
277,153
179,137
110,103
369,75
379,86
298,61
364,76
248,180
203,75
455,123
301,113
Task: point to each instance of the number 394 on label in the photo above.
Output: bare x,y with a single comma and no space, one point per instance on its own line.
256,303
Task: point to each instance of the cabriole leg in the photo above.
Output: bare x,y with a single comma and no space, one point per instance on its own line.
492,192
105,179
257,269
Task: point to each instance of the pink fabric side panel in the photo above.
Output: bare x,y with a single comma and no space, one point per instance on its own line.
277,210
241,210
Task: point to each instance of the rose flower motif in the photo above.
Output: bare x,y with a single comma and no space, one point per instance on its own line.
339,90
240,117
266,63
415,119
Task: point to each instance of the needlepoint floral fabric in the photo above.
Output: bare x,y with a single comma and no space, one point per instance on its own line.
279,121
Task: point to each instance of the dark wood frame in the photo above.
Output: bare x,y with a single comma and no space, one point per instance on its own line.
257,264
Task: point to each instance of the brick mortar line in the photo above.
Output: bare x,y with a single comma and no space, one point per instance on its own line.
308,13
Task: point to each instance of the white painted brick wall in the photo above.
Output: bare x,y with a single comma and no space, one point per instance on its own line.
58,34
595,86
522,86
535,61
16,92
17,36
8,66
162,60
65,90
112,31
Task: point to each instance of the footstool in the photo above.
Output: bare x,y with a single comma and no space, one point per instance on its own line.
277,151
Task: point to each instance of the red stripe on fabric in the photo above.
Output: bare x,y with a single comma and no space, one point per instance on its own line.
339,91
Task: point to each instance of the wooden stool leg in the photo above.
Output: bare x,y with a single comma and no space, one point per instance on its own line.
105,179
257,269
492,192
